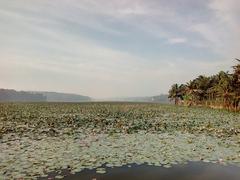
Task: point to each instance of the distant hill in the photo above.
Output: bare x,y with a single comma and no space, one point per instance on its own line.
163,98
64,97
10,95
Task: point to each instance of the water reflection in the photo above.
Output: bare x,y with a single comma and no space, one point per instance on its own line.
190,171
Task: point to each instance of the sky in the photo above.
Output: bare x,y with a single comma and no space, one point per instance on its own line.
115,48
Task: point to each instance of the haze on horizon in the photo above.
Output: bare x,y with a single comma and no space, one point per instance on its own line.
115,48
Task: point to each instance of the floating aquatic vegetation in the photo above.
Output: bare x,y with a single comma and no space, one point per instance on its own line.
101,170
27,157
40,138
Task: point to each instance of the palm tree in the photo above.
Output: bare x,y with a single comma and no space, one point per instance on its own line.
191,92
236,85
212,89
221,89
176,93
224,88
202,85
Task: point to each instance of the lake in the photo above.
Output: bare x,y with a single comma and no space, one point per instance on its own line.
190,171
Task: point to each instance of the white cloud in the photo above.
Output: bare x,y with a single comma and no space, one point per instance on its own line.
44,46
177,40
221,31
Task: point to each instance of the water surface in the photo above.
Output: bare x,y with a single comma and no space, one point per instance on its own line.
190,171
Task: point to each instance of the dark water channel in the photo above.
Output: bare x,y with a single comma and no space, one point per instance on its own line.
190,171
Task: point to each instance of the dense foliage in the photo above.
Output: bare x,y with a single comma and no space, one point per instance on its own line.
218,91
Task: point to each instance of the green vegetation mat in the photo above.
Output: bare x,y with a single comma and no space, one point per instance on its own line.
38,138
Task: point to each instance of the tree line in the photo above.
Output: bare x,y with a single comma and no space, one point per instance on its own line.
221,90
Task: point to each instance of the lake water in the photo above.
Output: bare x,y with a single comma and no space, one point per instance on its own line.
190,171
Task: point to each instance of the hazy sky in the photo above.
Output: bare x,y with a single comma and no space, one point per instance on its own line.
107,48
